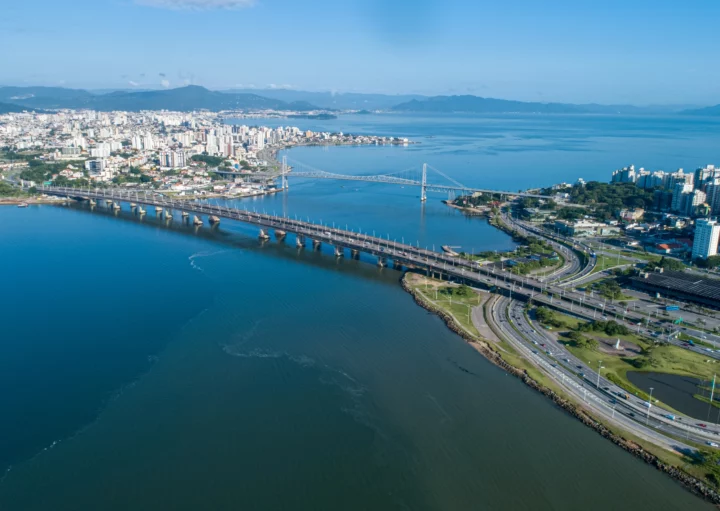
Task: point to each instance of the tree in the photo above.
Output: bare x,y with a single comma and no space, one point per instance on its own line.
667,263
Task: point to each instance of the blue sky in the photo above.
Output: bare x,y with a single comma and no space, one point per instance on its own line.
631,51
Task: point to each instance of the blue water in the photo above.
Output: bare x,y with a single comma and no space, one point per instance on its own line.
156,367
515,151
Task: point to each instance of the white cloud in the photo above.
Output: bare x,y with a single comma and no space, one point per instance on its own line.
165,83
134,84
197,5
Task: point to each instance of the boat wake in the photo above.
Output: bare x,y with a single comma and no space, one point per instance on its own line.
198,255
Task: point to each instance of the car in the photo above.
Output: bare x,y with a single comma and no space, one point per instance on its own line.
702,425
712,444
567,360
579,367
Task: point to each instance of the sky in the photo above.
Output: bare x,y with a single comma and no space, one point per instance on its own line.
613,52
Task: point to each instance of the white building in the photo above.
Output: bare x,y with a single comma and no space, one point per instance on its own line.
707,233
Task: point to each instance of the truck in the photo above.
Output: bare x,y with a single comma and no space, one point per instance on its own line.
672,307
624,396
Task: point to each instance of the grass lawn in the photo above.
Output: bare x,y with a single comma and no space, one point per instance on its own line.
666,358
604,262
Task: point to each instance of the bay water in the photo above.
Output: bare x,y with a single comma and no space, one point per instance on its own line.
147,366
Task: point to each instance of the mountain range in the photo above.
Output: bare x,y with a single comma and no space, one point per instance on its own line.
187,98
193,97
477,105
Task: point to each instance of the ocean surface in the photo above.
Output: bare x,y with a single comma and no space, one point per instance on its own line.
149,366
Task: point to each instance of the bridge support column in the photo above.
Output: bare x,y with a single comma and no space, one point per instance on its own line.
214,220
92,202
316,244
279,234
339,252
263,235
158,210
423,185
354,254
140,211
397,265
284,182
300,241
381,262
116,206
197,221
185,216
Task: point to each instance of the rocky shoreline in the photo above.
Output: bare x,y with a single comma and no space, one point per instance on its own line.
691,483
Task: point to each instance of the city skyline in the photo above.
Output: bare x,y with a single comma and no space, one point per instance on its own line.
640,54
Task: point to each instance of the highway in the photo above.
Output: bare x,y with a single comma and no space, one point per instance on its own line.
604,400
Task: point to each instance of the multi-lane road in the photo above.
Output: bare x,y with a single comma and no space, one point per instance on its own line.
587,386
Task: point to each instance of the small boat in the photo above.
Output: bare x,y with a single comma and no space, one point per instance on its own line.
23,205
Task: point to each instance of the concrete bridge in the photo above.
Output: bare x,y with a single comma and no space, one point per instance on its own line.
385,251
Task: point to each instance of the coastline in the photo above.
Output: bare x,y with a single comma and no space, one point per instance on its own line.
691,483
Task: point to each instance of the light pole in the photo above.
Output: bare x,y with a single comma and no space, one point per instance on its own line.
600,366
647,419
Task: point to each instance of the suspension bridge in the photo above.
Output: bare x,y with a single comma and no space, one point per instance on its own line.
406,177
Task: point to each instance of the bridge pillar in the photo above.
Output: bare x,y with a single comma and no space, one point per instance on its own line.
116,206
140,210
339,252
108,202
133,206
92,202
381,262
284,182
158,210
279,234
214,220
197,221
300,241
263,235
354,254
316,244
397,265
423,185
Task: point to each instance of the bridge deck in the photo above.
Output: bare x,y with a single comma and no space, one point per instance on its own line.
408,255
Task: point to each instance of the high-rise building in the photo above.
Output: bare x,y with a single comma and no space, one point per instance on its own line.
695,199
681,192
624,175
712,190
707,233
702,175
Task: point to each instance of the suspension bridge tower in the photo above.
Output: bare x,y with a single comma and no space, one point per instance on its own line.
283,173
423,185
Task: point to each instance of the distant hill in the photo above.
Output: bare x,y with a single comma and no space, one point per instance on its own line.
9,108
335,101
187,98
476,104
709,111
